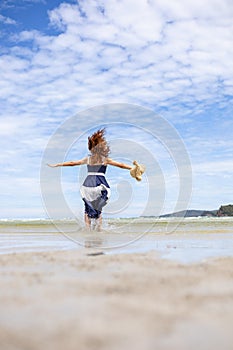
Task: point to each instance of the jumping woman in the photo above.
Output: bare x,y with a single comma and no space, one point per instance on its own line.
95,190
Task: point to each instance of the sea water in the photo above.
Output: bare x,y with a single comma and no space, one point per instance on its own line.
182,239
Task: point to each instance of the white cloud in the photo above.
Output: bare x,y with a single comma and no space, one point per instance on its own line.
177,10
7,20
107,49
214,168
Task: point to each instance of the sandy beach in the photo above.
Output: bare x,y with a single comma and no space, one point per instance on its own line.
72,300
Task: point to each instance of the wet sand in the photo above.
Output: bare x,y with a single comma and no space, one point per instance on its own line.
69,300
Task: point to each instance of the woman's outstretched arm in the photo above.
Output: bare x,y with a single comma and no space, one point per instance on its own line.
118,164
70,163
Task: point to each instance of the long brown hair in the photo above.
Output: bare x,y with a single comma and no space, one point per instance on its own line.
98,146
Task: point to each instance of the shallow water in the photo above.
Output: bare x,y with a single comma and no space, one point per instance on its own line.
188,240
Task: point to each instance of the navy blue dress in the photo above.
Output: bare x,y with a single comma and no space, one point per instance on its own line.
95,190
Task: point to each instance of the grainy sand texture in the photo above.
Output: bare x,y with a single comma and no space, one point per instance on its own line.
69,300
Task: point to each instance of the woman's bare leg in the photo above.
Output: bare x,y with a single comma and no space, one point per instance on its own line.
99,223
87,221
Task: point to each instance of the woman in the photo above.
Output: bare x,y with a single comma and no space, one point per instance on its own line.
95,190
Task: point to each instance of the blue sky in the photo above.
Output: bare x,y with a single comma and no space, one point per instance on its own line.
59,58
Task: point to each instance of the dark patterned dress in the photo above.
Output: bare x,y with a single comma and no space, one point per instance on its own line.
95,190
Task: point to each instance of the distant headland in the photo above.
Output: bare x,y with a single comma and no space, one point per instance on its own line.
224,210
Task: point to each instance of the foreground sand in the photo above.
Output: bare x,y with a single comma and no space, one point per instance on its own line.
68,300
